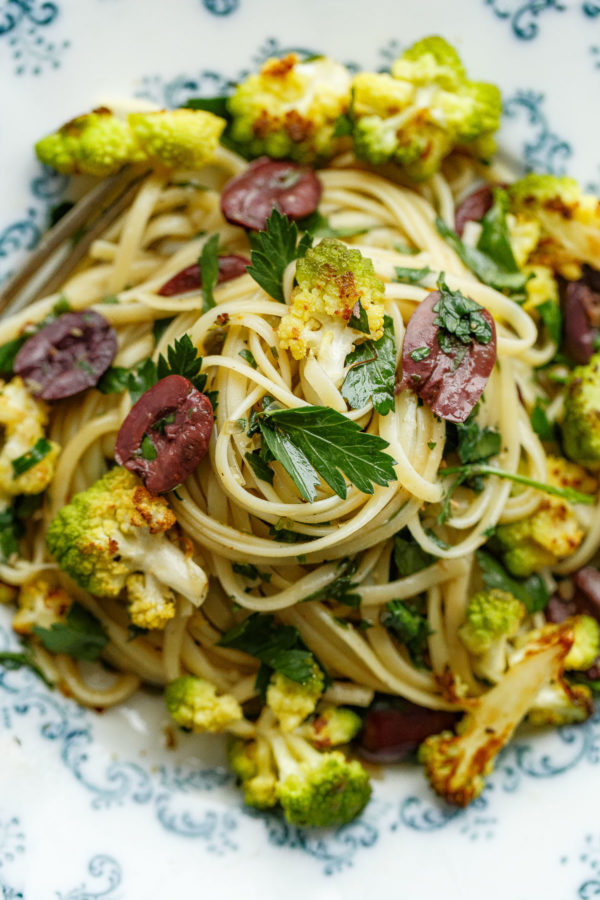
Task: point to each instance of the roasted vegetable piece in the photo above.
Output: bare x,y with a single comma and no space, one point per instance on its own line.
99,143
23,469
41,604
417,115
116,529
581,424
195,705
289,109
492,618
332,279
291,701
457,764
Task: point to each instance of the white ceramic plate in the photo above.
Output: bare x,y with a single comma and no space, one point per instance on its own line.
97,806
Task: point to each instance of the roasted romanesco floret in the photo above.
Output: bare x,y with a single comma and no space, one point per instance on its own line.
332,279
117,529
289,109
332,726
553,531
23,419
40,604
586,644
492,618
457,764
427,106
291,701
99,143
581,423
568,221
195,705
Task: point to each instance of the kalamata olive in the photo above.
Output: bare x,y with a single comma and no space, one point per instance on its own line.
166,434
390,734
68,355
558,609
448,384
582,316
190,279
474,207
587,591
249,198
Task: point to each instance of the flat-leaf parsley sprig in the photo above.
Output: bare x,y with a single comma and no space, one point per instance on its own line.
273,250
314,442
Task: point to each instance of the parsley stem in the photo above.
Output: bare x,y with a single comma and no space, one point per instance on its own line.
480,469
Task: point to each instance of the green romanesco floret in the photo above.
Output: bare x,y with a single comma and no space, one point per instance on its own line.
99,143
552,532
289,109
252,762
40,604
586,644
195,705
332,279
568,221
291,701
417,115
581,423
492,618
331,727
23,420
561,703
115,529
151,604
457,764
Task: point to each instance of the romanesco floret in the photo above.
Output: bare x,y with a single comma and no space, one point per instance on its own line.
492,618
99,143
427,106
581,423
568,220
586,644
195,705
289,109
552,532
457,764
331,279
23,419
291,701
151,604
252,763
561,703
41,604
115,529
332,726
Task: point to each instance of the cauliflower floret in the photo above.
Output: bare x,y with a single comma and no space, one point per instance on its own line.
416,116
23,419
492,618
40,604
289,109
581,424
291,701
151,604
100,143
331,279
115,529
194,704
552,532
560,703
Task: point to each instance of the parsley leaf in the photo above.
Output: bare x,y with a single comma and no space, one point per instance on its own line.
551,316
248,356
494,240
473,444
342,126
279,647
540,422
12,660
313,441
471,470
409,556
341,589
419,354
273,250
247,570
460,317
260,466
208,261
40,449
372,373
215,105
159,326
81,635
410,627
182,359
359,319
483,266
411,276
532,591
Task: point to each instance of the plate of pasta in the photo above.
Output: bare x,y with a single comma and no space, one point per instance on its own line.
299,514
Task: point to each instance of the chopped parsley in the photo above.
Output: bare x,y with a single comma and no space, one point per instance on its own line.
372,372
273,250
81,635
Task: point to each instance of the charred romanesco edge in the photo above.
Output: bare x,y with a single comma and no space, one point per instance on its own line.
581,423
289,109
291,701
566,219
99,143
194,704
40,604
561,703
331,279
331,727
553,531
23,419
417,115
